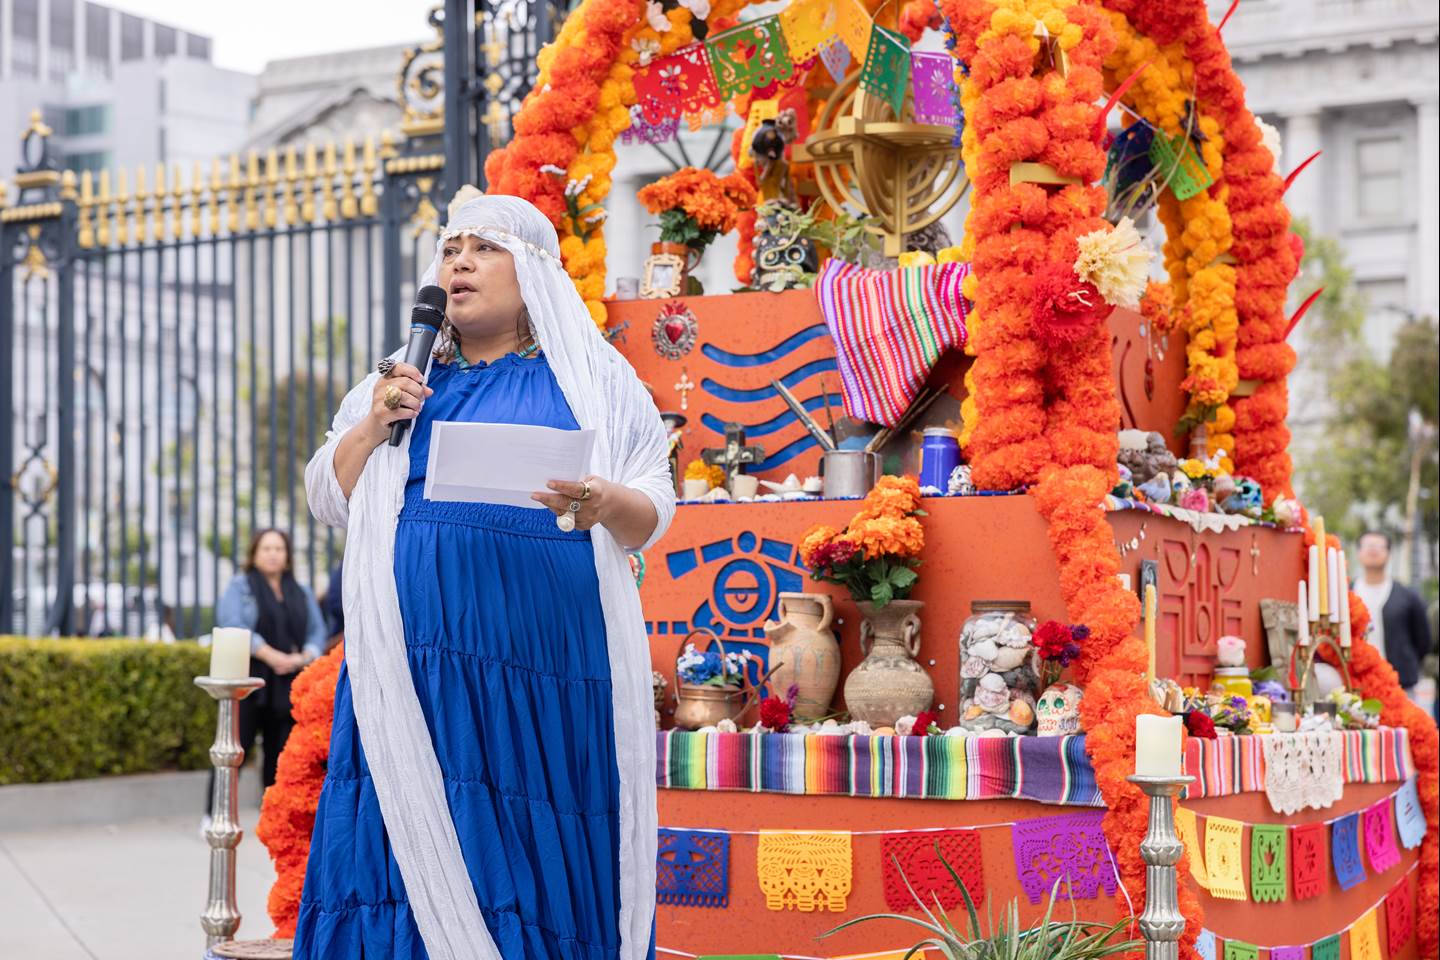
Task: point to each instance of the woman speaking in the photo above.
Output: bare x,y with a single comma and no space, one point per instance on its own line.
491,783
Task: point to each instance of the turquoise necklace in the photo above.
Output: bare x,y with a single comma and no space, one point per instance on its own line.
524,353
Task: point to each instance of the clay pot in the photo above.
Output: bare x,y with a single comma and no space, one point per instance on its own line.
804,652
888,684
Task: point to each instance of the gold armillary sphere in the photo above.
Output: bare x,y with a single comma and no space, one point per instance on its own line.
906,175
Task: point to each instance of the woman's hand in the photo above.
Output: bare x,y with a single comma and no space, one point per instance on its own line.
281,662
592,494
628,514
409,385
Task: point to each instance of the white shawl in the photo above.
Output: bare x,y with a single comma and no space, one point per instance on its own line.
605,395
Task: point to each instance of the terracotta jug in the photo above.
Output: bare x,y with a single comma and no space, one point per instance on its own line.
888,684
804,652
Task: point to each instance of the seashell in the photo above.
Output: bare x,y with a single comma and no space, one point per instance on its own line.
860,728
883,732
973,667
984,650
905,726
1022,713
1014,635
984,630
1009,658
726,725
993,683
957,732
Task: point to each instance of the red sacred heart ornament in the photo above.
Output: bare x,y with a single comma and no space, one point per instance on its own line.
675,330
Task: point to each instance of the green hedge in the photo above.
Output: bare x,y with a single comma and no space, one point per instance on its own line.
75,708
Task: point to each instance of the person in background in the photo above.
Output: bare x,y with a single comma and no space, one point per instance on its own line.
163,630
333,607
288,631
1399,629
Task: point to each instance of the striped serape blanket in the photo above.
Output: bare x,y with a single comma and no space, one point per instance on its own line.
1047,769
889,328
1230,765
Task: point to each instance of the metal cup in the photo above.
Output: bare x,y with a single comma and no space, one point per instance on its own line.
849,473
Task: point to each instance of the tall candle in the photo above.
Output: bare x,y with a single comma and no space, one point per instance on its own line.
1302,619
230,653
1314,591
1344,602
1157,746
1150,632
1333,574
1323,597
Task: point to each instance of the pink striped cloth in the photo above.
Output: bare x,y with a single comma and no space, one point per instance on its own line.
889,328
1230,765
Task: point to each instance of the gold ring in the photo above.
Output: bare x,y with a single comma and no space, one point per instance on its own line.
586,485
393,396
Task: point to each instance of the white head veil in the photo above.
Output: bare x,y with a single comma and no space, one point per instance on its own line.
605,395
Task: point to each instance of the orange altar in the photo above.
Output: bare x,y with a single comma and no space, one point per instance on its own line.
722,565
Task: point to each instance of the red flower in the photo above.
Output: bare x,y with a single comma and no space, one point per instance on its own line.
1065,308
923,721
774,714
1200,725
1051,638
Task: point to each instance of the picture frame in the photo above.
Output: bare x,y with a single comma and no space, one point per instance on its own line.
664,276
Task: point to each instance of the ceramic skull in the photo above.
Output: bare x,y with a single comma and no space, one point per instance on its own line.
1059,710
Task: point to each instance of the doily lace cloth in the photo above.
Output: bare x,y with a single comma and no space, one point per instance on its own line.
1302,770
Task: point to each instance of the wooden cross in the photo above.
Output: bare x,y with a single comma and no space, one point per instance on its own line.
734,456
684,385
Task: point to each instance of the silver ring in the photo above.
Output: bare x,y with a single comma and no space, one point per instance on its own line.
386,366
586,494
574,506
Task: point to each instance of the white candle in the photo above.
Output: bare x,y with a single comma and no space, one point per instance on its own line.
1150,633
1157,746
1314,593
1344,602
230,653
1332,571
1302,619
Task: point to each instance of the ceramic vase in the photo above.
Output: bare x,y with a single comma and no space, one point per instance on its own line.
804,652
888,684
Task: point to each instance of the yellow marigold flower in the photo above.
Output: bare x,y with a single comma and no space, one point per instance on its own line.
1194,469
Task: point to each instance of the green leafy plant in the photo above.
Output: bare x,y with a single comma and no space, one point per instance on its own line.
1049,939
847,238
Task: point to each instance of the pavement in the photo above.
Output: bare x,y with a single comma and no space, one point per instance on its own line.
121,891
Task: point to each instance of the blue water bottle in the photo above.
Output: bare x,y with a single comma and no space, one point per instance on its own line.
939,456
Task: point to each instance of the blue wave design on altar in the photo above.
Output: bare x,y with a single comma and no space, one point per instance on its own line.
740,395
782,349
780,422
788,452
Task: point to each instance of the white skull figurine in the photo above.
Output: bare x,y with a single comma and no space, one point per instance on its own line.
1059,710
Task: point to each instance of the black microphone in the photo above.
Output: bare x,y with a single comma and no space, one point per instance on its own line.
425,319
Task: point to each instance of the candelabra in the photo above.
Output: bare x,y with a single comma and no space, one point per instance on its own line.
222,915
1162,922
1323,632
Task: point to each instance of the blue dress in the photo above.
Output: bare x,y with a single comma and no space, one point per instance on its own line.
506,642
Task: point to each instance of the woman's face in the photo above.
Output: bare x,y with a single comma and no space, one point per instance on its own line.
271,555
484,294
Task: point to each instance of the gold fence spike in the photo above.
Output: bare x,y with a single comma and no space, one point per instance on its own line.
307,185
197,185
212,206
348,207
67,185
85,230
177,205
102,211
388,149
161,193
232,213
270,195
142,230
368,204
122,197
328,209
252,181
292,173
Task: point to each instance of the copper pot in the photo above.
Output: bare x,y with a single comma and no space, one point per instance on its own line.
698,705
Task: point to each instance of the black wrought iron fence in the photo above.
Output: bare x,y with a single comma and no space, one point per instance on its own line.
173,343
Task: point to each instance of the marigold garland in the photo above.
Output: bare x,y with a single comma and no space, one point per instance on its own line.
287,814
1261,243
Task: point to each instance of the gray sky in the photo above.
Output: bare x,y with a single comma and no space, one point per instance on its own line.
247,33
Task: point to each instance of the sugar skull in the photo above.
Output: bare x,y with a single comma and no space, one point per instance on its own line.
1059,710
782,258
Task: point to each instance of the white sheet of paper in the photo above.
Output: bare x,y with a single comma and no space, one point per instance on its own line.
502,462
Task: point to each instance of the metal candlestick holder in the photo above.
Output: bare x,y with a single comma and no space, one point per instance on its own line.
1162,922
1323,632
222,915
